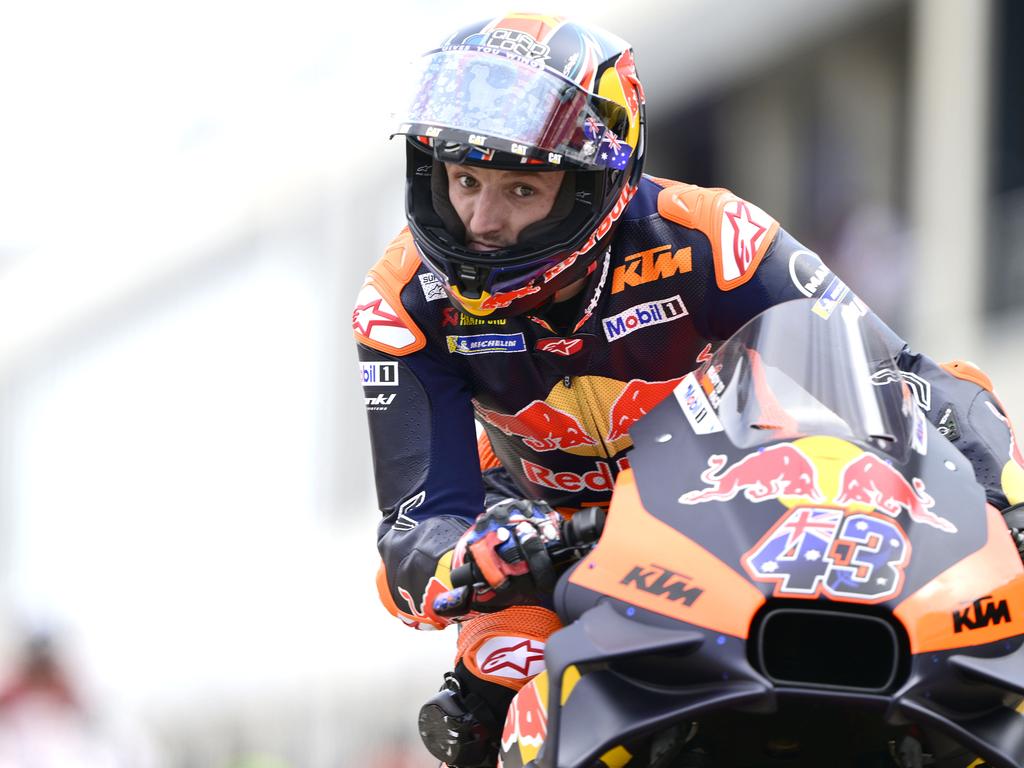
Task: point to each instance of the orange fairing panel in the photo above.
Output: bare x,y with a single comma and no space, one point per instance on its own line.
379,320
683,580
979,600
740,233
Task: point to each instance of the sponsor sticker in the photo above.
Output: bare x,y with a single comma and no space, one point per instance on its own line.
452,316
662,582
433,288
920,388
983,612
642,316
516,658
696,407
744,227
830,299
919,441
374,318
650,265
560,346
379,402
486,343
379,374
807,272
600,479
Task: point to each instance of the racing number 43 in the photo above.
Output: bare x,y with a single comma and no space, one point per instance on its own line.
858,557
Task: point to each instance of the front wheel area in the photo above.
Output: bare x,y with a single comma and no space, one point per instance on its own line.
806,735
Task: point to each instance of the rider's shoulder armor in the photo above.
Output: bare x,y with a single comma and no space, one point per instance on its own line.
740,233
380,320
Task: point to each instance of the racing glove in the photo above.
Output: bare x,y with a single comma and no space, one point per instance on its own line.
502,559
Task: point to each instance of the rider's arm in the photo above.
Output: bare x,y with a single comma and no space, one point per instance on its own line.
956,397
422,438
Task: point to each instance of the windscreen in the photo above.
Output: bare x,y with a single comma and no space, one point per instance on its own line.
496,102
807,368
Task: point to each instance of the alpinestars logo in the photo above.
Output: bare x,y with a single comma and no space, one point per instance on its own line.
642,316
986,611
664,583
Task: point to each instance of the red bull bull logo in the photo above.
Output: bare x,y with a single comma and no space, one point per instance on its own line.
595,425
785,470
526,722
637,400
505,299
780,470
541,426
869,480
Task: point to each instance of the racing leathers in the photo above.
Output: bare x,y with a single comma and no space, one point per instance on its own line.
687,267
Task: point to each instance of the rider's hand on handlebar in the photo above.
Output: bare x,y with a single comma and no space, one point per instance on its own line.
502,559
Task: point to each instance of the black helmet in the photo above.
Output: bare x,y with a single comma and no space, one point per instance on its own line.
528,92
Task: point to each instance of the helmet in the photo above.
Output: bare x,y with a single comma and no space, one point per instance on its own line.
523,91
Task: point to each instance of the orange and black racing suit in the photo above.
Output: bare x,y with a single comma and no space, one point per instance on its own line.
688,266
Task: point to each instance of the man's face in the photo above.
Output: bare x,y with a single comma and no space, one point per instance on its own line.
496,206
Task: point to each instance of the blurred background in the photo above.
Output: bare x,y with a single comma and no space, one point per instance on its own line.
190,193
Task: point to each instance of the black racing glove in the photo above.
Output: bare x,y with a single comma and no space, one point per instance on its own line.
503,559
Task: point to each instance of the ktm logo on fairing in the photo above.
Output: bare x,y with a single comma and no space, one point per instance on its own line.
985,613
663,583
648,266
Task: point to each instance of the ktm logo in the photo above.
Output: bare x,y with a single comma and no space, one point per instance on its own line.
664,583
651,265
985,613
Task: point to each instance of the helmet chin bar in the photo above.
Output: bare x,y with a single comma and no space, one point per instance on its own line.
471,280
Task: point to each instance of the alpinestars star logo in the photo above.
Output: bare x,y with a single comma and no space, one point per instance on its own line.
366,317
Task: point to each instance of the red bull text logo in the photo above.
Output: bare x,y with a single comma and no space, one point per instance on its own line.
599,480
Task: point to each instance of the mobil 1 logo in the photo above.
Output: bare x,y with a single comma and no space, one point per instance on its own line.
642,316
379,374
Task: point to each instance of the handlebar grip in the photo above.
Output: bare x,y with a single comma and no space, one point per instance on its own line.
466,575
584,528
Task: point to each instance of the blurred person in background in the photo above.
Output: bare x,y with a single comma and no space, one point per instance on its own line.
45,723
549,288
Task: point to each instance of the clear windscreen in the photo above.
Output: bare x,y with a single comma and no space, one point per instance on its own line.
488,100
804,368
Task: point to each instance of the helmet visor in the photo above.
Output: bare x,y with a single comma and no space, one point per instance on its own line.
492,102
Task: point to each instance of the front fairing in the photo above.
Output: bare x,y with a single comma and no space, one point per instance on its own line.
813,491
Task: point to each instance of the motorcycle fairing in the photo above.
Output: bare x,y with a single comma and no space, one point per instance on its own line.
730,528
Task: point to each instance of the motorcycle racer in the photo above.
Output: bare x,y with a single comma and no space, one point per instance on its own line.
551,291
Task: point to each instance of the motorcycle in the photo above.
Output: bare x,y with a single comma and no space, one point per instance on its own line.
796,569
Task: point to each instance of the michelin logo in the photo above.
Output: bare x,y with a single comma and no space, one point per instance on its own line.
642,316
486,343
